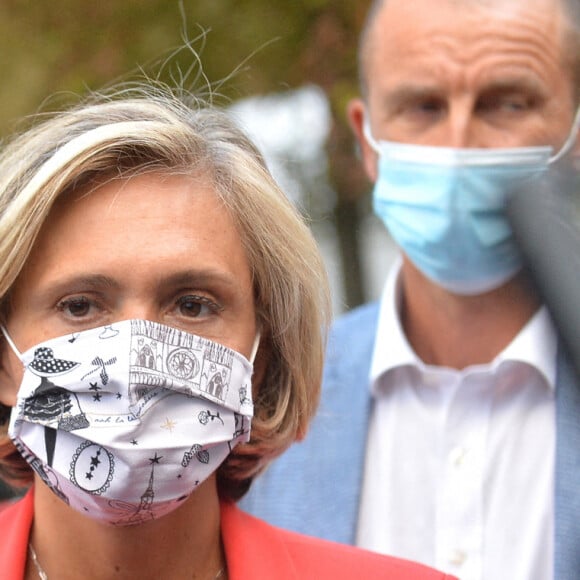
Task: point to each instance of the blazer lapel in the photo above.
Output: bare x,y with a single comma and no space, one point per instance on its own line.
252,549
567,478
314,488
344,417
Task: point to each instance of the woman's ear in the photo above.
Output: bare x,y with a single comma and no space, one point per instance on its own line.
9,378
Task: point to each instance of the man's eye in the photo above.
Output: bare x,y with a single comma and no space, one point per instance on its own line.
430,106
422,109
75,307
505,104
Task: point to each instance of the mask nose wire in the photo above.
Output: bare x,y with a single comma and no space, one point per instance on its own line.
10,342
569,143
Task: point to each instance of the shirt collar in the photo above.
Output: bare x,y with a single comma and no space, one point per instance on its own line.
535,345
391,346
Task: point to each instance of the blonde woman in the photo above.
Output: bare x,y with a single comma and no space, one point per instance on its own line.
163,318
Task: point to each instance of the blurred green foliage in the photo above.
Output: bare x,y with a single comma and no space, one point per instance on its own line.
64,47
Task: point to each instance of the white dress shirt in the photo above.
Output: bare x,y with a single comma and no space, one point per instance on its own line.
459,471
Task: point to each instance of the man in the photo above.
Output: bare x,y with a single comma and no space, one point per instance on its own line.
448,429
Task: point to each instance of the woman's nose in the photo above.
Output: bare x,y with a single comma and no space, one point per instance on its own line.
139,310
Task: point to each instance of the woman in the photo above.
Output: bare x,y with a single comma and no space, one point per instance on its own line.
159,295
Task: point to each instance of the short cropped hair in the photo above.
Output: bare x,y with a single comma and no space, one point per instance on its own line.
571,42
156,130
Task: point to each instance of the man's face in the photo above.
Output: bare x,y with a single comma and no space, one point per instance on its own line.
462,73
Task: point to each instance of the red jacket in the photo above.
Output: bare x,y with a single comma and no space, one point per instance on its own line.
254,549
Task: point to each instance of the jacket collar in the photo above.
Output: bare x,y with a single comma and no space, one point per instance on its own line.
15,523
251,551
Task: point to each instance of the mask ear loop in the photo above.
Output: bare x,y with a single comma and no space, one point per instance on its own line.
368,135
10,342
566,148
255,347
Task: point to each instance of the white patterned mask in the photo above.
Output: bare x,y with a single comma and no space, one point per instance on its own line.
123,422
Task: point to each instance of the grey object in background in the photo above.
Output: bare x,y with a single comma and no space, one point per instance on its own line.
545,217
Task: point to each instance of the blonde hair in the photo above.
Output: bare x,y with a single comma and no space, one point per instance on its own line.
149,129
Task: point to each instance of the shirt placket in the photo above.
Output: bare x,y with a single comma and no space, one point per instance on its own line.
460,503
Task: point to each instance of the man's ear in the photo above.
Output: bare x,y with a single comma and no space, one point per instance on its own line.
356,112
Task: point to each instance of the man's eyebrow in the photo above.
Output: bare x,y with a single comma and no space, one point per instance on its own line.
416,91
525,84
411,92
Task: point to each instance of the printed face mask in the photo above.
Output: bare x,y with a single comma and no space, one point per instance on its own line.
445,207
123,422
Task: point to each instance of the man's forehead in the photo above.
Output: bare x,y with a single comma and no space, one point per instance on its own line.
392,13
504,5
483,42
397,20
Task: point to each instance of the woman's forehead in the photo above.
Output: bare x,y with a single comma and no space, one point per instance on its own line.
147,219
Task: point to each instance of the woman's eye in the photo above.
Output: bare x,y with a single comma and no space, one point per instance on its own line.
75,307
197,306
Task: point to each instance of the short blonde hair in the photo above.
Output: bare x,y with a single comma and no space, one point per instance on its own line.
152,129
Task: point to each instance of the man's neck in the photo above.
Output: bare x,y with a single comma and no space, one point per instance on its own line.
455,331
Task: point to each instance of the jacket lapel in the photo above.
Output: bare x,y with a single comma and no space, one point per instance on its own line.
567,478
344,414
15,523
322,501
252,549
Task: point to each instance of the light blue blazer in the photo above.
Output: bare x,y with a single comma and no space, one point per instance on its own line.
315,487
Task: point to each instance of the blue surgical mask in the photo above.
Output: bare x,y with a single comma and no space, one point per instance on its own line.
445,207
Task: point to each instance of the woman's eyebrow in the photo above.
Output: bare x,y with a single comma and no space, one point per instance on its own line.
199,277
183,277
80,282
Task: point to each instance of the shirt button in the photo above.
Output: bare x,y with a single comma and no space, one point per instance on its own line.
458,455
457,557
